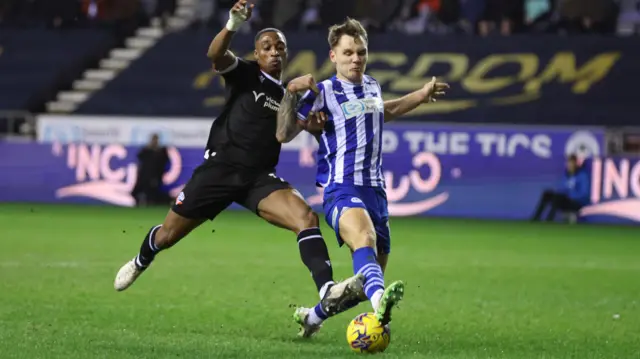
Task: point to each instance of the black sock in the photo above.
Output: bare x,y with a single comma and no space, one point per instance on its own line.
148,249
315,256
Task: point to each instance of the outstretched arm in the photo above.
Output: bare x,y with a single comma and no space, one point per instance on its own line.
218,51
398,107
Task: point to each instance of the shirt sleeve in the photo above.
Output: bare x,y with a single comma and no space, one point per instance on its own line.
311,102
239,73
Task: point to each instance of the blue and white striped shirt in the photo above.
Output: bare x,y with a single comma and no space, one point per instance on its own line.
351,144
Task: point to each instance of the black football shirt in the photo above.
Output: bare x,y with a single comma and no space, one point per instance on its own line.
244,134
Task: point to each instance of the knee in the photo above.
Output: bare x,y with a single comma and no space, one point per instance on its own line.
364,238
306,218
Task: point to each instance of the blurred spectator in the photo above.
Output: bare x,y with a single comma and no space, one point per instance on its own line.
571,195
123,16
205,12
54,13
586,16
542,16
310,15
629,18
503,14
164,10
153,160
375,14
414,15
407,16
534,9
60,12
450,11
289,11
471,12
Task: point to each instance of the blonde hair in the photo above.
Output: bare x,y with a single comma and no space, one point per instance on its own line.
350,27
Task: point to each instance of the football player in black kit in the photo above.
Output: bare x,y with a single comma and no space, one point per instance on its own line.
240,159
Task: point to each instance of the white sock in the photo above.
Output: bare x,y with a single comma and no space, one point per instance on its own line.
313,318
324,288
375,299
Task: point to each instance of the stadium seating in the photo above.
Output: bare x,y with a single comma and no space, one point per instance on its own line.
529,79
161,81
35,63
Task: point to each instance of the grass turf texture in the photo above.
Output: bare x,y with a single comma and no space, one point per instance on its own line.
474,289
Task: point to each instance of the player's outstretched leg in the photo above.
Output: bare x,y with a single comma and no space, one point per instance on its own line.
287,209
162,236
357,230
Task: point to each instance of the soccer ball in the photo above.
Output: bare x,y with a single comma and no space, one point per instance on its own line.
365,334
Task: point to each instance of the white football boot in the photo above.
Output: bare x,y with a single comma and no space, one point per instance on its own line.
127,275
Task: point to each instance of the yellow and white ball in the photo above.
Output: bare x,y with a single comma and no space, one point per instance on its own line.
365,334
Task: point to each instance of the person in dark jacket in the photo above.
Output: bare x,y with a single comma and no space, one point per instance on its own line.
153,159
571,195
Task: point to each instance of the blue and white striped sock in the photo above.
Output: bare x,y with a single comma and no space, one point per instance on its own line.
366,263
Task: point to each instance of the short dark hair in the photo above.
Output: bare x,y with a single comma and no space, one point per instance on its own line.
573,158
350,27
269,29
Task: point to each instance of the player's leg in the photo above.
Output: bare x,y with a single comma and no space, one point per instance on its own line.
380,218
286,209
274,200
349,211
204,197
160,237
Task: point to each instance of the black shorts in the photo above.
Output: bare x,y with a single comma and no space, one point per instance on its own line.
214,186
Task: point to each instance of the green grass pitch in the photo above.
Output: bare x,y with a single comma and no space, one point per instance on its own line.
474,289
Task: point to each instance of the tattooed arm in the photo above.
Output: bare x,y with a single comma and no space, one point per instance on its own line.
288,124
291,121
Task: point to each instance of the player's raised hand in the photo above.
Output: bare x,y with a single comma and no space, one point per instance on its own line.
434,89
239,13
303,83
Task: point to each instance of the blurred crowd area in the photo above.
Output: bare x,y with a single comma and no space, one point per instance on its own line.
119,14
483,17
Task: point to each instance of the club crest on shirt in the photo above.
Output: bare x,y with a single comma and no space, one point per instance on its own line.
358,107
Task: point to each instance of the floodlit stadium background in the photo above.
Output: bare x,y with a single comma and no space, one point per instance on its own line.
84,84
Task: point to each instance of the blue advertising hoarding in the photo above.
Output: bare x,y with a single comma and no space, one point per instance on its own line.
494,172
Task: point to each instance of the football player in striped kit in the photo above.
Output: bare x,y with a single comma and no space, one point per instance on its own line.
350,160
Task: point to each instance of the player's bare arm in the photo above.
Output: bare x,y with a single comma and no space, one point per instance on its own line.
407,103
218,51
288,124
288,127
